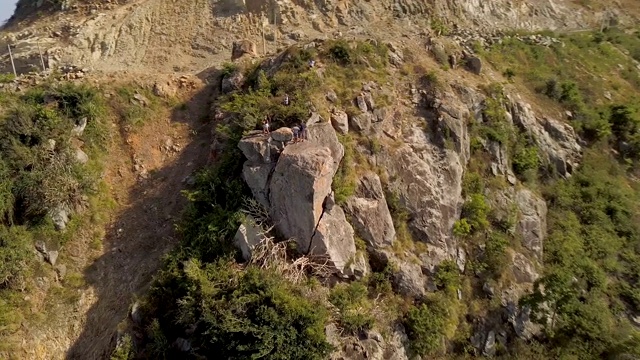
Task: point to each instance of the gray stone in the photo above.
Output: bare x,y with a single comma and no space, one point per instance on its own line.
257,177
283,134
61,270
51,145
135,314
432,258
242,48
333,240
340,121
78,130
368,99
323,134
258,148
523,269
331,96
488,289
183,345
81,156
409,280
358,268
361,103
52,257
41,246
474,64
490,345
232,82
249,235
532,224
299,185
361,122
60,216
369,213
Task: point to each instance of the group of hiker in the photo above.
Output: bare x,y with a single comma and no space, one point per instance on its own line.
299,130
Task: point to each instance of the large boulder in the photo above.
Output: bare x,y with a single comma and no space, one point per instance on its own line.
258,147
340,121
519,316
409,280
333,240
532,223
232,82
323,134
249,235
524,271
60,216
557,141
257,177
370,214
283,134
299,185
361,122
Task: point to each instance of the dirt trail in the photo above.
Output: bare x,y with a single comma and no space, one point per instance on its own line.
139,232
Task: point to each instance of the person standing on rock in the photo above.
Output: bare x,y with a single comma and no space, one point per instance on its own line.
265,125
296,134
303,131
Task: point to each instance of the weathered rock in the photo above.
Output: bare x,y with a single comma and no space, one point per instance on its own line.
52,257
257,177
283,134
60,216
249,235
78,129
258,148
557,141
41,247
61,271
361,103
165,90
358,268
519,317
323,134
135,314
333,239
474,64
340,121
299,185
532,224
490,345
331,96
81,156
232,82
368,100
489,289
182,344
409,280
241,48
369,213
432,258
361,122
523,269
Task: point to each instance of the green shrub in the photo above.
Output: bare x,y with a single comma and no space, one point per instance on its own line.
125,349
353,305
448,277
243,315
461,228
15,254
475,211
425,326
340,52
495,253
345,181
524,159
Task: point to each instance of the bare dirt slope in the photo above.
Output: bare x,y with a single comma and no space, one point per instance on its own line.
140,231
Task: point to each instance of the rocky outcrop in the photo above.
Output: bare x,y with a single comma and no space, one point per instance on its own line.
370,346
532,222
249,235
300,183
408,279
242,48
295,185
369,213
340,121
523,269
232,82
557,141
333,239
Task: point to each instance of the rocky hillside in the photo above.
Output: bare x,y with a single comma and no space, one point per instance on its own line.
191,35
466,186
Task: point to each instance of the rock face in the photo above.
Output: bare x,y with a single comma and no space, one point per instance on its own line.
241,48
300,183
258,147
257,177
232,82
322,133
409,280
532,223
369,213
249,235
60,216
557,141
333,238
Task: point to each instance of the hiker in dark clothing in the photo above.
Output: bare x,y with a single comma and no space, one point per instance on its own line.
303,132
296,134
265,125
